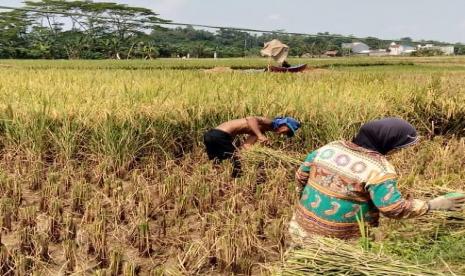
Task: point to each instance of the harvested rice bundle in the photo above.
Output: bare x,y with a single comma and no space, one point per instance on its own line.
259,154
326,256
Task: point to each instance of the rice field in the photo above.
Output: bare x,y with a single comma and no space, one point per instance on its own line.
103,170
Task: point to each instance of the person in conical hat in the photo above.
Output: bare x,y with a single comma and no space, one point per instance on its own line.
276,50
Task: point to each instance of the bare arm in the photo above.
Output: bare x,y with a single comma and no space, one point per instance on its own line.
251,139
254,125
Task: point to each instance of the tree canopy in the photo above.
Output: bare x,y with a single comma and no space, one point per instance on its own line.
105,30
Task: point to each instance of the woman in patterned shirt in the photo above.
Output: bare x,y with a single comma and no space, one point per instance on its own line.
346,183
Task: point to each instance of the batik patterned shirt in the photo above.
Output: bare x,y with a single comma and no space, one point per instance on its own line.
345,185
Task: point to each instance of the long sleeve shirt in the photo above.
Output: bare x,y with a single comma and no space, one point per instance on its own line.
345,185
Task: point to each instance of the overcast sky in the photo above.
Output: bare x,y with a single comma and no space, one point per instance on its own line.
419,19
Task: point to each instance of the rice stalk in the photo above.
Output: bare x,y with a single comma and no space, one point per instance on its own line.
326,256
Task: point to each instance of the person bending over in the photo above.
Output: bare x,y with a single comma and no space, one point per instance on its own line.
345,182
219,142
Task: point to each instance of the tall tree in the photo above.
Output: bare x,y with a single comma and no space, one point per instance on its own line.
94,24
13,34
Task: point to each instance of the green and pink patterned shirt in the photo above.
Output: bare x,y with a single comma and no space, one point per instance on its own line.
346,184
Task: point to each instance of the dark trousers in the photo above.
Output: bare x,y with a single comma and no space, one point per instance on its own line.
220,146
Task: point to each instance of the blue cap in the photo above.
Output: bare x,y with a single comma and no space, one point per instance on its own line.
290,122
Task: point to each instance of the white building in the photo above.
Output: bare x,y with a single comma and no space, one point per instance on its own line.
397,49
447,50
378,53
394,49
356,47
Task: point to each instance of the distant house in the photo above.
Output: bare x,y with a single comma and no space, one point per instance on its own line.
378,53
356,47
330,53
394,49
447,50
397,49
408,49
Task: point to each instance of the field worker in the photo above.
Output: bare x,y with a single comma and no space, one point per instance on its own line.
346,182
220,145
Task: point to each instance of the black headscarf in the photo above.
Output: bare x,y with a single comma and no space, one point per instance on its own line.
385,135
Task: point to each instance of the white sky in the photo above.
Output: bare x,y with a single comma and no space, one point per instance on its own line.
419,19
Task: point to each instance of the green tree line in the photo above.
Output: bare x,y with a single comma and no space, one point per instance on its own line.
106,30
